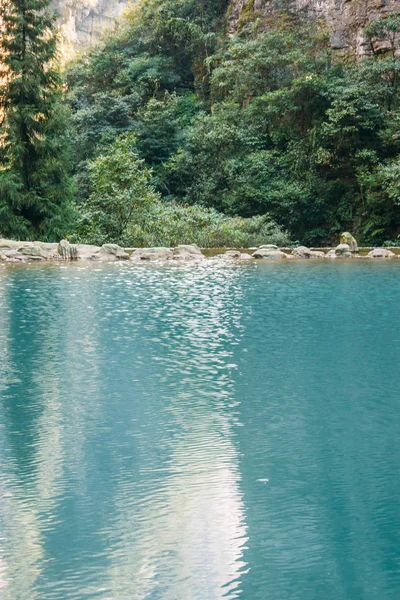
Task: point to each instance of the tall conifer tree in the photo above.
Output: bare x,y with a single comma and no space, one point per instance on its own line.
35,188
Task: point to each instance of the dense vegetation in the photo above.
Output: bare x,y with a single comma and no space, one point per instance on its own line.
35,183
183,133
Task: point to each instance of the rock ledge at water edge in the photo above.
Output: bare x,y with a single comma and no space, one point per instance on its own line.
15,251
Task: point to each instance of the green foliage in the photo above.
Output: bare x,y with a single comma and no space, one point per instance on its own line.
265,123
386,29
121,189
382,200
383,73
169,224
35,188
124,207
184,133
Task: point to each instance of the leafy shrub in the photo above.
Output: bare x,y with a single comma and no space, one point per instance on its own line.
170,224
124,208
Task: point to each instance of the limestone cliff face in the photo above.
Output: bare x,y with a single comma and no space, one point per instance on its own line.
346,18
83,21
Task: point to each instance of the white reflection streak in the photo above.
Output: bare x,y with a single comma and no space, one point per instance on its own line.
21,515
195,523
4,370
20,550
187,538
55,449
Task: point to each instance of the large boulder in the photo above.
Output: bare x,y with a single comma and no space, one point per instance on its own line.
113,252
67,251
341,251
269,253
187,252
381,253
25,251
347,238
88,252
107,252
50,249
302,252
32,251
152,254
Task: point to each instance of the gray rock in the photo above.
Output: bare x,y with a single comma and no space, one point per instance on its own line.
107,252
50,249
32,251
23,251
67,251
341,251
89,252
381,253
152,254
302,252
269,253
9,244
187,252
113,252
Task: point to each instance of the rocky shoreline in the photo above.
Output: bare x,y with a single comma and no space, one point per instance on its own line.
20,252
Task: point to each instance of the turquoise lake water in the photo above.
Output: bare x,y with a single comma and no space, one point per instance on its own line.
199,432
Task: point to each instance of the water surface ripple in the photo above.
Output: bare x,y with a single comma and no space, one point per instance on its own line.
200,432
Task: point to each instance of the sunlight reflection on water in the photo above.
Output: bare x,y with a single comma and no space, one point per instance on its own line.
198,432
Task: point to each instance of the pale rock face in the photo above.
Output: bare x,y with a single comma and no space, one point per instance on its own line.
346,18
83,21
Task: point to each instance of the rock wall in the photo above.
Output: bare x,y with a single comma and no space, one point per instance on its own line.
83,21
346,18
